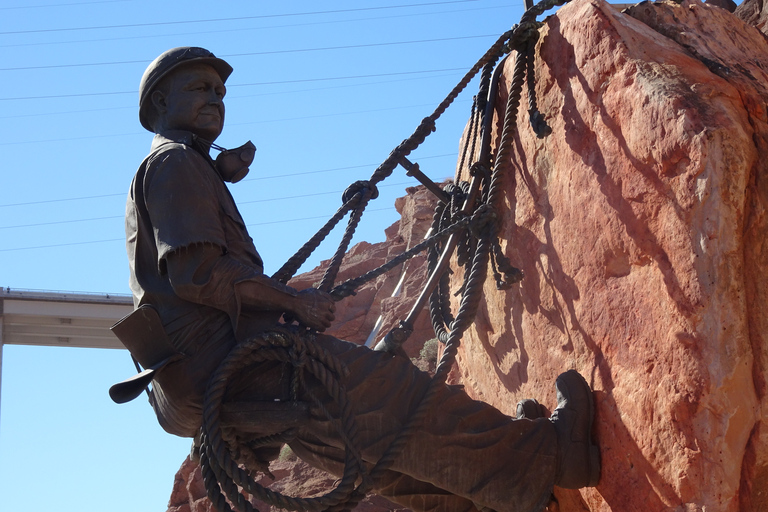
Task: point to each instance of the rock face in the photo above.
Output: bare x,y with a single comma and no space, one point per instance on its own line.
292,477
640,225
754,12
356,316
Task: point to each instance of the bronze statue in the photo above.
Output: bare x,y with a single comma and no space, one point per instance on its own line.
199,289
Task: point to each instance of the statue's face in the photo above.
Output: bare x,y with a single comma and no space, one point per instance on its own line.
192,100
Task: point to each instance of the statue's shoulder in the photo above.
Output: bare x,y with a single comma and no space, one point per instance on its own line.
176,145
174,150
174,162
175,157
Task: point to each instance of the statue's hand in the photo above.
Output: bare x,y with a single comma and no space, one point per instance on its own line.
314,308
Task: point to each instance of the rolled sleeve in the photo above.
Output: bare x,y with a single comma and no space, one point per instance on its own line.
202,274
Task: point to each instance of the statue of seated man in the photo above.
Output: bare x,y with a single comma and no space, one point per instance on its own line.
192,261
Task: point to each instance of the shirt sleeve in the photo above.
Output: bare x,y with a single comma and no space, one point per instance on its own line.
182,201
203,275
180,192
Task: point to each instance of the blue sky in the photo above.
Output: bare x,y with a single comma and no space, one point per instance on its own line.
324,90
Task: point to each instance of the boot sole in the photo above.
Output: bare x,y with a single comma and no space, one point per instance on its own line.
593,451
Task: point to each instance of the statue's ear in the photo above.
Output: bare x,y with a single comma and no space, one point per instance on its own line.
159,101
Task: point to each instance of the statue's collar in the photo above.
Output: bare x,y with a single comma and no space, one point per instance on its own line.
182,137
231,164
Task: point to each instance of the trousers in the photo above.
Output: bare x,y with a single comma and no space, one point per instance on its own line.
465,456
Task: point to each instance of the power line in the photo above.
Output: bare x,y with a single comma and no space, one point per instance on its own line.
252,84
356,112
46,201
277,176
246,29
54,223
238,18
69,244
367,45
82,94
343,86
271,52
63,112
61,5
239,96
351,77
266,200
372,210
262,121
70,139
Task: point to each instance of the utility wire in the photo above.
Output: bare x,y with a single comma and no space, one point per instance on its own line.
247,123
277,176
350,77
251,54
47,201
67,112
321,116
238,18
254,201
54,223
372,210
69,244
237,98
82,94
268,27
60,5
252,84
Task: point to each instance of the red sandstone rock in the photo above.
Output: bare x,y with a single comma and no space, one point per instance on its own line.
357,315
640,224
296,478
754,12
728,5
293,478
188,493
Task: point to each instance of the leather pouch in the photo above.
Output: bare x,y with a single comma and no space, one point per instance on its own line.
143,335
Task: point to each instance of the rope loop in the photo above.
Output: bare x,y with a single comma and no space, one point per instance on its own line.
221,449
359,186
482,224
504,273
521,34
425,128
393,341
479,169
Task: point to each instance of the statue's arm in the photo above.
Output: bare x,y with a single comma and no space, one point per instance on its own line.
204,274
191,244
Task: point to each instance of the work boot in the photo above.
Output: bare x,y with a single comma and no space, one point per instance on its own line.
530,409
578,459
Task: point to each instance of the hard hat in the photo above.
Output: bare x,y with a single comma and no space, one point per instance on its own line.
167,62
